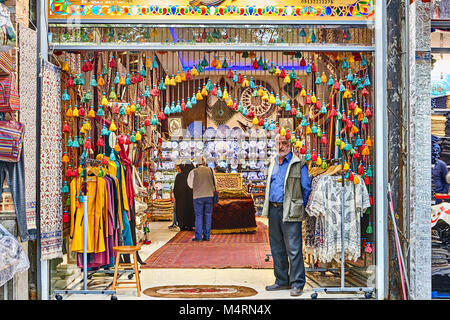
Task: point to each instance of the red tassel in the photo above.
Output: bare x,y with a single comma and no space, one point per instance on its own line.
313,68
154,92
87,144
349,124
314,156
69,82
182,106
344,117
357,156
66,127
360,168
352,105
189,75
116,109
104,160
303,62
139,78
133,79
65,217
85,67
370,200
100,142
368,112
261,121
283,73
251,114
364,92
318,105
288,135
112,63
240,78
255,64
161,115
121,138
333,112
323,140
367,180
82,112
308,99
214,91
230,74
350,176
303,150
236,105
142,102
147,122
69,172
297,84
336,86
293,111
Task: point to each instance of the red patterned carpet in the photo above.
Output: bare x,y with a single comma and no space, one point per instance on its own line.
222,251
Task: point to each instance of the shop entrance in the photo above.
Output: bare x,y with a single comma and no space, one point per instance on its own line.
224,93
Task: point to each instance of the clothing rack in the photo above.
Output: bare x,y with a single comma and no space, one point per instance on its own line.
85,290
367,290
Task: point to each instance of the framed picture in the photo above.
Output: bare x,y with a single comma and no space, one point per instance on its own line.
175,126
287,123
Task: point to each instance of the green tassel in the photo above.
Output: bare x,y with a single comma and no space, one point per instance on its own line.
68,200
369,229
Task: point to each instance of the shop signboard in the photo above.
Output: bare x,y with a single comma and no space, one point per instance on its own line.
213,10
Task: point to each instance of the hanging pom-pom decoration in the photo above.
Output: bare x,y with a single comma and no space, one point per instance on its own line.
65,96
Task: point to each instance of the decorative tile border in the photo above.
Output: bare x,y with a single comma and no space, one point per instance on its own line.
359,10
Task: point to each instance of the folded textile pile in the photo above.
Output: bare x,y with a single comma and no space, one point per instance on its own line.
161,209
438,124
440,249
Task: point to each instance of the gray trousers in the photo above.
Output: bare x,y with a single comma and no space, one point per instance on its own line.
286,245
15,174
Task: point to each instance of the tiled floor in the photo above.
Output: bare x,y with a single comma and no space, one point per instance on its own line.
160,234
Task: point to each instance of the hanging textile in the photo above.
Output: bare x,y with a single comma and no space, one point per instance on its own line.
51,221
325,204
27,91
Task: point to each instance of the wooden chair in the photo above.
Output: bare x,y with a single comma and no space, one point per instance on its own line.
131,250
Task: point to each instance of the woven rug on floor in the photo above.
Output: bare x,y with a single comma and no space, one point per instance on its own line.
222,251
200,291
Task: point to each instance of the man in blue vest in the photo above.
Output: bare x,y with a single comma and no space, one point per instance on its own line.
286,196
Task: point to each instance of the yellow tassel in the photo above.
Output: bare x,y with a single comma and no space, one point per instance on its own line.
313,98
298,144
65,66
255,121
355,179
265,96
75,112
225,95
104,101
204,91
172,81
245,83
308,130
178,78
340,56
167,81
138,136
132,108
277,71
183,76
219,65
358,111
112,127
260,91
308,38
282,131
272,99
369,142
91,113
346,166
319,161
80,169
88,125
100,81
69,113
148,64
199,95
342,145
194,71
361,117
128,111
122,81
323,79
365,151
117,147
355,129
99,157
287,79
230,102
65,158
350,57
303,92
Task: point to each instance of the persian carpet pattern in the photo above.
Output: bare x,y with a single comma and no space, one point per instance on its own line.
27,89
51,221
222,251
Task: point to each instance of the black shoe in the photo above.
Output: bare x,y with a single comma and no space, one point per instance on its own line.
204,239
296,291
195,239
276,287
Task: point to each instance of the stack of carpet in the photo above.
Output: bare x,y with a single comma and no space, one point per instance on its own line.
161,209
440,256
142,220
438,125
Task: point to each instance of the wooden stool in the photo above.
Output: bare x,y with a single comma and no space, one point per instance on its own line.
127,250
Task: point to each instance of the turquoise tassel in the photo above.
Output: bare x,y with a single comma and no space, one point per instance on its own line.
65,96
93,82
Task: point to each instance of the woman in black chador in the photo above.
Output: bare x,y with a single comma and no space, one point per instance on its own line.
184,203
